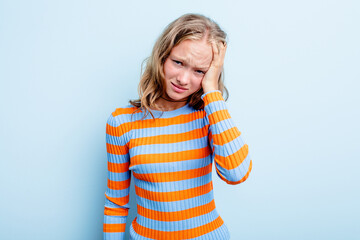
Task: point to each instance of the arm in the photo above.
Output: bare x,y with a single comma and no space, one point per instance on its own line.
118,180
231,155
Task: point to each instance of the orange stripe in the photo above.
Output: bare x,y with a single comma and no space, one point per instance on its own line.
234,160
226,136
210,137
120,111
177,235
118,167
119,201
177,215
116,149
116,211
170,157
175,195
241,180
163,122
114,227
119,130
212,97
118,185
248,172
218,116
174,176
170,138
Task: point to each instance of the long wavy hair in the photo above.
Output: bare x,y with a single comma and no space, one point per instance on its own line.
152,84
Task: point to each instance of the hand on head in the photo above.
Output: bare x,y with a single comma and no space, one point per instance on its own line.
210,80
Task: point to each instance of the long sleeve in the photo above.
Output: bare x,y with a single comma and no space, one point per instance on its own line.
118,180
231,155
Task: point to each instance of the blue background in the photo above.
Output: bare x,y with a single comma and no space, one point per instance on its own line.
292,68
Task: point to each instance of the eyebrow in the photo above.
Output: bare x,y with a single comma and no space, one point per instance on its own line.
183,60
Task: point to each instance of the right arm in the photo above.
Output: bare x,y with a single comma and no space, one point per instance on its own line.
118,181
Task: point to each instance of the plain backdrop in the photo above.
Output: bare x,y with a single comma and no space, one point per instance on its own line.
292,70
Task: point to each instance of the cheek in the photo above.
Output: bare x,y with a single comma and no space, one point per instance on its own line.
169,71
197,82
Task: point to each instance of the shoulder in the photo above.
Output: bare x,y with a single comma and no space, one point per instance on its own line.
119,122
121,115
125,110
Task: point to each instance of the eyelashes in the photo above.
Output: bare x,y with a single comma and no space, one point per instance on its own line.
180,64
177,62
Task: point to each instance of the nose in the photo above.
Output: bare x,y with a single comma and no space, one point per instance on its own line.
183,78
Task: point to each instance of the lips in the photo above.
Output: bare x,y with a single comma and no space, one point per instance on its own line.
179,86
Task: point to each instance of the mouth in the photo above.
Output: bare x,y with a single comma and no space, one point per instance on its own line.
179,87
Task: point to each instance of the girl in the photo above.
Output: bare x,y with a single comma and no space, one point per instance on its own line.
171,150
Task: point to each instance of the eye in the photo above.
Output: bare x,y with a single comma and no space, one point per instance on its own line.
200,72
177,62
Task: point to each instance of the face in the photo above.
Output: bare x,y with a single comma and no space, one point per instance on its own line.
185,68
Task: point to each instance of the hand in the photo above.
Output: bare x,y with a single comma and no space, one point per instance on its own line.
210,80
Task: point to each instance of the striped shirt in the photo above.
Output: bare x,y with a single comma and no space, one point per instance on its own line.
171,160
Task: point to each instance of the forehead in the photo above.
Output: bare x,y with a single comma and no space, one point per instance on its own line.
196,53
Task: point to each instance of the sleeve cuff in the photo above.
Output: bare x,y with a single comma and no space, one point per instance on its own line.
212,96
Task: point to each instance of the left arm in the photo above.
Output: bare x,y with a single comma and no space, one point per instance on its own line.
231,155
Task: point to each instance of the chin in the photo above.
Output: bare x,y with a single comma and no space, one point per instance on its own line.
175,96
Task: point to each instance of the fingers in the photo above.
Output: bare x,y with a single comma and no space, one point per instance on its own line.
215,49
223,47
219,50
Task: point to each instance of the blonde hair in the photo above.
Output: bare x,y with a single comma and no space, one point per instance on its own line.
187,26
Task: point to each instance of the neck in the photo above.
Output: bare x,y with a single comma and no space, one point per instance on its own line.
165,103
170,100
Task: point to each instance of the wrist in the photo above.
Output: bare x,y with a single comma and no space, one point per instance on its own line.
211,96
208,89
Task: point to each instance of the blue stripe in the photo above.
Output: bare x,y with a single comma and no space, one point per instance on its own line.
120,141
173,166
114,235
114,219
110,204
170,147
204,94
176,205
174,186
215,106
135,236
237,173
117,193
222,126
171,129
118,120
119,176
229,148
115,158
178,225
220,233
186,109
